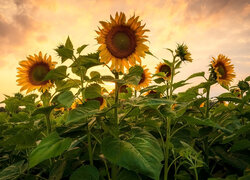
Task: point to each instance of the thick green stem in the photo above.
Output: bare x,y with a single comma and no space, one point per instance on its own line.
196,174
207,107
116,99
172,77
167,147
114,168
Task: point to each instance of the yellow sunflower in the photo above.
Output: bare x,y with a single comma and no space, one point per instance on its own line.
163,67
183,53
145,79
33,71
152,93
75,103
223,69
122,42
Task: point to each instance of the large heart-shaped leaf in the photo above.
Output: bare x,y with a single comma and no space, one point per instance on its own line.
140,153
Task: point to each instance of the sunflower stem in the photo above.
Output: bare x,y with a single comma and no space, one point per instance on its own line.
116,100
168,122
207,104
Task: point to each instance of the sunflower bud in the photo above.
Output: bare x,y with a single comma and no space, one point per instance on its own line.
243,85
183,53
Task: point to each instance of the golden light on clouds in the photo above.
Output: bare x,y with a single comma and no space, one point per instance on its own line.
208,27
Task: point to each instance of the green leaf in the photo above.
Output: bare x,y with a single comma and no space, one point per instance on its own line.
87,172
56,74
247,78
58,169
64,53
151,54
93,91
79,50
89,108
51,146
68,84
140,153
125,175
196,75
205,122
68,44
108,78
66,98
95,76
13,171
167,62
134,75
241,145
43,110
87,61
179,84
159,80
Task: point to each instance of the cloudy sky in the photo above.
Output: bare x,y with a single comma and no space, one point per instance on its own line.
208,27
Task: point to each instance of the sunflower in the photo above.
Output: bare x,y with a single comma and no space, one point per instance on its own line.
75,103
153,94
33,71
183,53
145,79
163,67
223,69
101,100
122,42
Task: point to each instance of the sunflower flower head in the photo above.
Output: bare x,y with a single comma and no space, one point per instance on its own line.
144,81
222,70
183,53
33,71
243,85
165,68
122,42
152,94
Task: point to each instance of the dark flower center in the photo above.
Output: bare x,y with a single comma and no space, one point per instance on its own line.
166,69
38,72
123,89
222,70
100,99
121,41
143,77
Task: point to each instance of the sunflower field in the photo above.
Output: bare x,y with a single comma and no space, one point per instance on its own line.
68,126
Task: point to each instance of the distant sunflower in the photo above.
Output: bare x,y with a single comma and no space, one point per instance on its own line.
101,100
152,94
75,104
183,53
223,69
145,79
33,71
122,42
163,67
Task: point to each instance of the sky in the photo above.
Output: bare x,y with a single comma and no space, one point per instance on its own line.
208,27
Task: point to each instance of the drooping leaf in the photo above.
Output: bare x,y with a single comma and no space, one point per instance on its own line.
51,146
79,50
140,153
